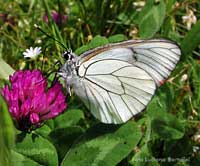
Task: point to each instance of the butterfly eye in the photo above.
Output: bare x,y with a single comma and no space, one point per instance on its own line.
67,55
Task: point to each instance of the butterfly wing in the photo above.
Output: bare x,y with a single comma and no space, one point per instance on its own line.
158,57
114,90
116,81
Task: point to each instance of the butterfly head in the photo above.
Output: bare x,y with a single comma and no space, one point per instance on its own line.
68,55
69,65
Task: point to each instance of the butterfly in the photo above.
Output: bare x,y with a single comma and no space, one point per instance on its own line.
118,80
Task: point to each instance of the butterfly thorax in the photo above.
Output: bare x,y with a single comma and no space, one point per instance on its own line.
68,70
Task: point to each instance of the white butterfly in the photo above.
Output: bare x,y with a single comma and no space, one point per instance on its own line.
117,81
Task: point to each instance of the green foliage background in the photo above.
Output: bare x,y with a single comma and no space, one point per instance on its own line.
166,133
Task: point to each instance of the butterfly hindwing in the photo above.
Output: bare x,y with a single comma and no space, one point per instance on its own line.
114,90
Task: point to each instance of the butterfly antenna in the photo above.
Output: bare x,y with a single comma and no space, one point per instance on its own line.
36,26
69,45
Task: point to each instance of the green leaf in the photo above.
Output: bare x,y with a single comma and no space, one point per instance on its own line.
104,145
170,5
164,125
191,41
70,118
6,133
63,138
81,49
193,75
21,160
95,42
117,38
6,70
50,123
37,149
151,18
124,19
144,158
98,41
43,131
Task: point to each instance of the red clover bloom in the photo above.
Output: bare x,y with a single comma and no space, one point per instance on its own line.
30,102
57,17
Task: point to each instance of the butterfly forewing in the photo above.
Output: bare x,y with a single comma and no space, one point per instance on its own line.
114,90
156,57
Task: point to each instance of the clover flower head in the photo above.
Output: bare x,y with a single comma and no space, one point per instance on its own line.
29,100
57,17
32,53
8,19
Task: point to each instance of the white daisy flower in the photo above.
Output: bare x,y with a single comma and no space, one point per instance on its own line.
139,4
184,77
189,19
32,53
